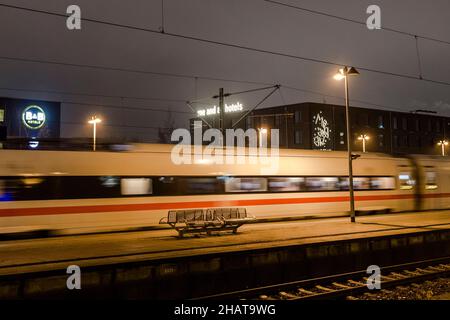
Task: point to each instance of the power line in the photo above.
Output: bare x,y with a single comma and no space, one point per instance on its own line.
90,94
318,93
114,125
342,98
105,68
352,20
219,43
152,109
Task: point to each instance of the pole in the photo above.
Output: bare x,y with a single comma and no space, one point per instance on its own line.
350,167
222,115
443,149
364,144
95,135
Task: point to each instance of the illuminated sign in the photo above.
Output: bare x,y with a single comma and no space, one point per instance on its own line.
235,107
321,131
2,115
33,117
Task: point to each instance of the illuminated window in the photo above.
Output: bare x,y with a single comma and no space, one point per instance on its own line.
359,183
322,183
380,122
382,183
246,185
199,185
430,180
136,186
2,115
406,181
283,184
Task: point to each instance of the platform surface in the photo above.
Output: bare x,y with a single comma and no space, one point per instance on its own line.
59,252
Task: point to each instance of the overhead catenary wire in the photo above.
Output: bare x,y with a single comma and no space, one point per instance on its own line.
419,64
392,108
277,87
317,12
220,43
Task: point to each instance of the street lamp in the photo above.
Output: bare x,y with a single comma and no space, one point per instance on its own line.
443,144
94,120
343,73
363,138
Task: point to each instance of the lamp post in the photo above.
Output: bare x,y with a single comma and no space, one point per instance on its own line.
443,144
94,120
343,73
363,138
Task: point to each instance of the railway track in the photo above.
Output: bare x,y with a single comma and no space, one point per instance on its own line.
344,285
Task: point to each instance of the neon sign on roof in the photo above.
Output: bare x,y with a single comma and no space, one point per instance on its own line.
235,107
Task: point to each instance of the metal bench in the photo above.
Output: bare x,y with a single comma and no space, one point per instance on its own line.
206,221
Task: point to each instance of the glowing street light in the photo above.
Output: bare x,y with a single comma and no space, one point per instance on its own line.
343,73
363,138
94,120
443,144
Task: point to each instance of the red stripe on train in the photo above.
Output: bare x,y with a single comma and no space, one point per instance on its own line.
189,205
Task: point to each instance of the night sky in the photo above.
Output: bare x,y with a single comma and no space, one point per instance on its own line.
250,23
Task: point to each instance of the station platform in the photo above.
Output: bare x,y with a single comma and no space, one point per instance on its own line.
35,255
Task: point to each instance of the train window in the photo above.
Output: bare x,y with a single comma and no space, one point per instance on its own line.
28,188
246,185
359,183
283,184
430,180
199,185
362,183
406,181
382,183
322,183
109,182
136,186
2,191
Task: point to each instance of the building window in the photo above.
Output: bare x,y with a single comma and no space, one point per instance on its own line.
363,119
395,122
277,121
404,124
395,140
298,137
297,116
380,122
438,126
404,141
249,122
417,125
381,140
2,115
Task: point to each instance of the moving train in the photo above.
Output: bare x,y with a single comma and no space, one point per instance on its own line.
79,189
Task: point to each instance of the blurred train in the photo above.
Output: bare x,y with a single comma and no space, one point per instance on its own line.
78,189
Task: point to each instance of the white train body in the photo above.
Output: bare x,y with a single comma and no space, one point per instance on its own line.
69,189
